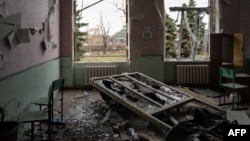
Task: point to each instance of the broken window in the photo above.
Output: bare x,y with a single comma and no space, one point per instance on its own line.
105,37
187,30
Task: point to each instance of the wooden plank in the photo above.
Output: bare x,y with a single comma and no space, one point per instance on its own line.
158,82
164,108
155,90
200,99
177,104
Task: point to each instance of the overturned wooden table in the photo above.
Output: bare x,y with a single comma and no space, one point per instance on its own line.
146,96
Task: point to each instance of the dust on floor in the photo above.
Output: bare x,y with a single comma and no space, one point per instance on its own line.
89,118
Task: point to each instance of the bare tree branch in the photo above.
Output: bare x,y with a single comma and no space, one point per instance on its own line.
105,32
121,7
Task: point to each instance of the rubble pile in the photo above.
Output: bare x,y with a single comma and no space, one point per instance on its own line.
95,120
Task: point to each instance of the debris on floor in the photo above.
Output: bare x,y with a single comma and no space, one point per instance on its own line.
96,120
134,107
157,103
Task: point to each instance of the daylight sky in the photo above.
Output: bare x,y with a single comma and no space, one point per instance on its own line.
115,18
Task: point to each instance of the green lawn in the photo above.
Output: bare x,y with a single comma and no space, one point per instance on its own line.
104,59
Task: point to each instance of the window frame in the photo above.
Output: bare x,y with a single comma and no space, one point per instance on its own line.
212,25
127,51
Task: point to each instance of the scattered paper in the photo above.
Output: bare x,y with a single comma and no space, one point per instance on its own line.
18,36
12,40
45,44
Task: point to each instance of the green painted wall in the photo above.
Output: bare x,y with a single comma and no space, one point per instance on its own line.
152,66
66,68
169,72
29,85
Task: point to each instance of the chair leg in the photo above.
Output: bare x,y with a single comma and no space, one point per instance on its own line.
233,101
62,108
52,117
61,122
238,101
220,99
40,124
224,99
32,131
49,121
49,130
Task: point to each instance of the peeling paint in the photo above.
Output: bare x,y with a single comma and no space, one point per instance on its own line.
1,61
2,9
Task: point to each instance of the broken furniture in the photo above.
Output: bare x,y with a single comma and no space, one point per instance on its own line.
232,85
146,96
39,116
57,86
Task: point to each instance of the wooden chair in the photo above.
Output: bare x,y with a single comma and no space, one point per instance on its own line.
57,86
230,84
39,116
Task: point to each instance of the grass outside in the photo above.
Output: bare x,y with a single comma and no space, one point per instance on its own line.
104,59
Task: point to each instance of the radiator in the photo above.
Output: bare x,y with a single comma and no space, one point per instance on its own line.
98,71
192,74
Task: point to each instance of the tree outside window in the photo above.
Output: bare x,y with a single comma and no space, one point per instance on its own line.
80,36
104,37
187,39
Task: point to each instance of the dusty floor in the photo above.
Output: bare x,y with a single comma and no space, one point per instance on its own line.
88,118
